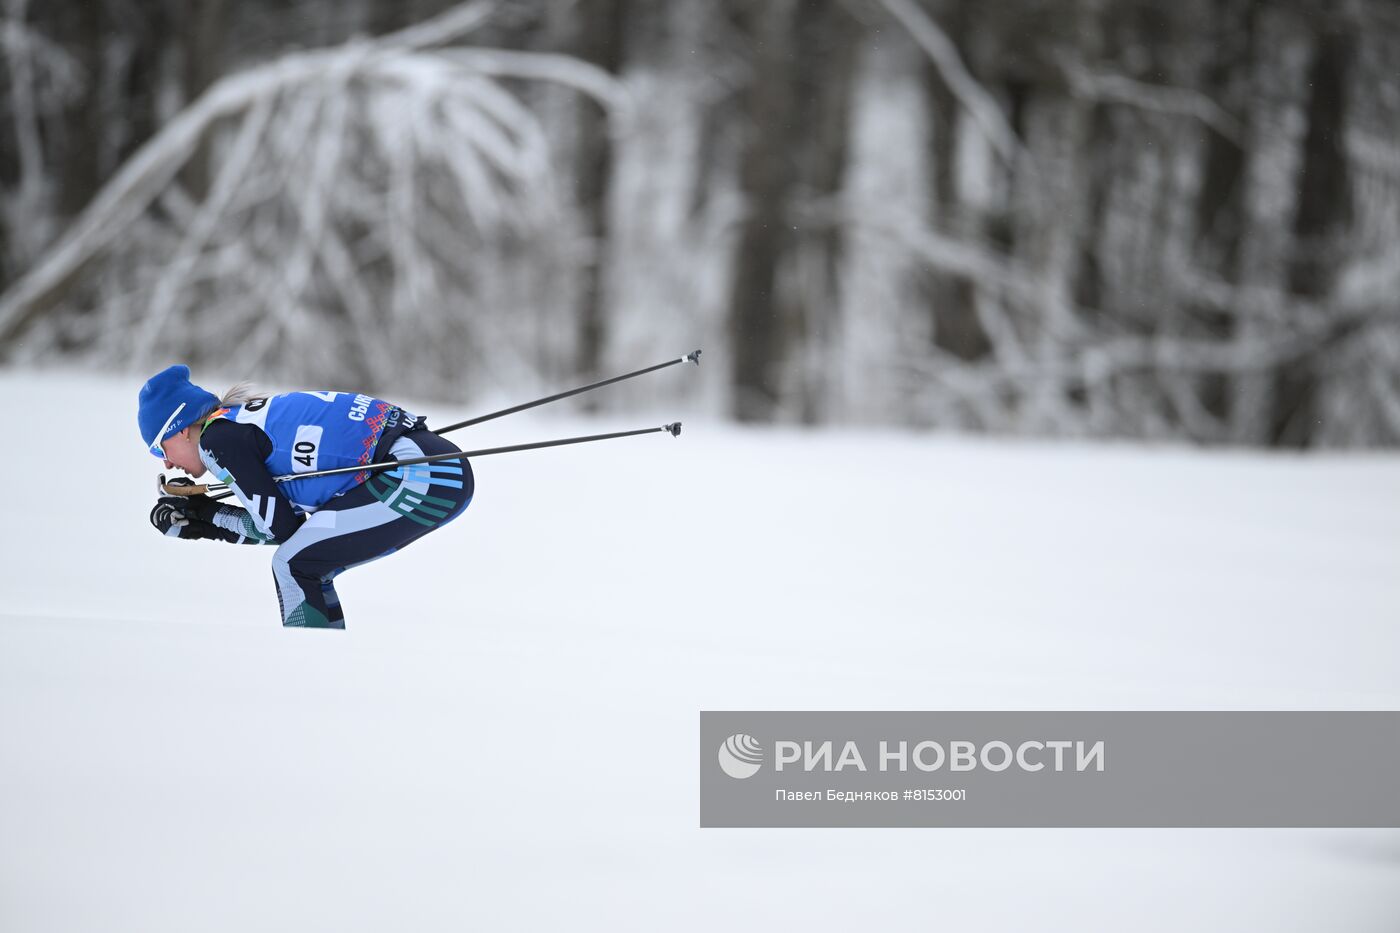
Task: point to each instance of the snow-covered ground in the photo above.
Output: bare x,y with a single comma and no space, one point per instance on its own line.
506,735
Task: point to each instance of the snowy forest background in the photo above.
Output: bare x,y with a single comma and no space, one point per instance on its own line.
1084,218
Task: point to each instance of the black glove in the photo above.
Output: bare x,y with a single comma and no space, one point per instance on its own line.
198,507
170,519
192,517
174,517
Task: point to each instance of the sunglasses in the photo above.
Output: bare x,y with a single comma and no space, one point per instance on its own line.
158,451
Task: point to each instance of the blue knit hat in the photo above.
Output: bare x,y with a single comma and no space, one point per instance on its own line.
169,404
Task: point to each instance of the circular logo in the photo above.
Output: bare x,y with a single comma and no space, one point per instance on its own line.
740,756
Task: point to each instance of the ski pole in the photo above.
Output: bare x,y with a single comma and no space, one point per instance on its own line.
693,357
673,429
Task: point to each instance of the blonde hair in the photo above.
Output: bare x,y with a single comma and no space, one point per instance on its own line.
237,394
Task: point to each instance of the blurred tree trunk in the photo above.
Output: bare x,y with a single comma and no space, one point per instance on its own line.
756,323
1278,54
599,40
1219,214
1324,211
951,297
203,25
824,75
1051,201
386,16
785,293
79,173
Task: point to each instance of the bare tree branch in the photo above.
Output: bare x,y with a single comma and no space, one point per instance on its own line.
944,55
425,113
1120,89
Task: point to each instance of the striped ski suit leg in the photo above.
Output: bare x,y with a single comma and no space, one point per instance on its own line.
389,511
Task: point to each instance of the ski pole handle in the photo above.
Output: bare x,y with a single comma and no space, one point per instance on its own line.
194,490
179,486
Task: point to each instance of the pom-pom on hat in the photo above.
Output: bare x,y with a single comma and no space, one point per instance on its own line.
169,404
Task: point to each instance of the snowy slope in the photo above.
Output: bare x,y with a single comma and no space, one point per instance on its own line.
505,737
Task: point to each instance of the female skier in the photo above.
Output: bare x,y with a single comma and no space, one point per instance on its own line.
322,525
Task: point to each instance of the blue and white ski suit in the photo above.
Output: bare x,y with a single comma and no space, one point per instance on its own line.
325,525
